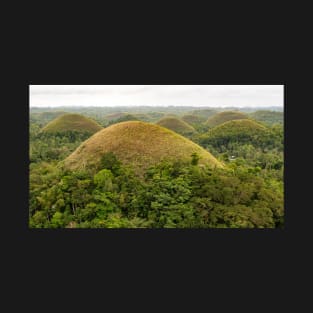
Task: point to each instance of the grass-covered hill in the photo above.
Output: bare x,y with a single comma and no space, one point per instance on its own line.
155,116
142,117
193,119
124,118
114,116
137,144
241,131
225,116
73,123
268,117
204,113
43,118
177,125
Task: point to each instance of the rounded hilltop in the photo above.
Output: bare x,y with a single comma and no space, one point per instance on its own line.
123,118
115,116
137,144
225,116
244,130
72,122
177,125
45,117
193,119
268,117
204,113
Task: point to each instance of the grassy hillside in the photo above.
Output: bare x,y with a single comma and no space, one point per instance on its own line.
137,144
142,117
268,117
204,113
176,125
43,118
244,130
124,118
72,122
155,116
193,119
115,116
225,116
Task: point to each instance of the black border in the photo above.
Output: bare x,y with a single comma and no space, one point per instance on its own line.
245,255
242,270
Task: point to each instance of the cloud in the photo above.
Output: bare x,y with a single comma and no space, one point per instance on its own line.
124,95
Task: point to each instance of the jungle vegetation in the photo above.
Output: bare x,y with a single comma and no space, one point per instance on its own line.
123,176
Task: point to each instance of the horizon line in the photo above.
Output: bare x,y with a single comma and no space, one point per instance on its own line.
113,106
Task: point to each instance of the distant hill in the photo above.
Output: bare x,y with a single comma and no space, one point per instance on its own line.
193,119
115,116
242,131
142,117
268,117
155,116
43,118
225,116
204,113
123,118
72,122
137,144
176,125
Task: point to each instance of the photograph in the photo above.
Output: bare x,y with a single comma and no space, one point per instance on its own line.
156,156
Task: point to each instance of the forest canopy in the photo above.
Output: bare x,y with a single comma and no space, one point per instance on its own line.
247,191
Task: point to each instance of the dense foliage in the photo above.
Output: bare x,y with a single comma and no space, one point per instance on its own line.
247,193
171,195
260,149
243,132
124,118
53,146
268,117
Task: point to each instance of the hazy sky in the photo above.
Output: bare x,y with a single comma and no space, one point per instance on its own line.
156,95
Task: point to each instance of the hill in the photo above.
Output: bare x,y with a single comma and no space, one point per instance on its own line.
225,116
268,117
242,131
123,118
203,113
142,117
177,125
44,118
137,144
115,116
155,116
193,119
72,122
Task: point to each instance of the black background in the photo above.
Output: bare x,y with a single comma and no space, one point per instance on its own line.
162,270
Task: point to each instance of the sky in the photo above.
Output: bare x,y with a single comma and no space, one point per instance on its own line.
156,95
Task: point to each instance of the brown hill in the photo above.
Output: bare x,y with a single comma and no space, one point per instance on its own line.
138,144
72,122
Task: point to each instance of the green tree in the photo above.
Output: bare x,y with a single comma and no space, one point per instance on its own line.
57,220
195,158
109,161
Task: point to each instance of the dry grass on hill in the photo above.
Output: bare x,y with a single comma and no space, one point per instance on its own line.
193,119
72,122
138,144
223,117
177,125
